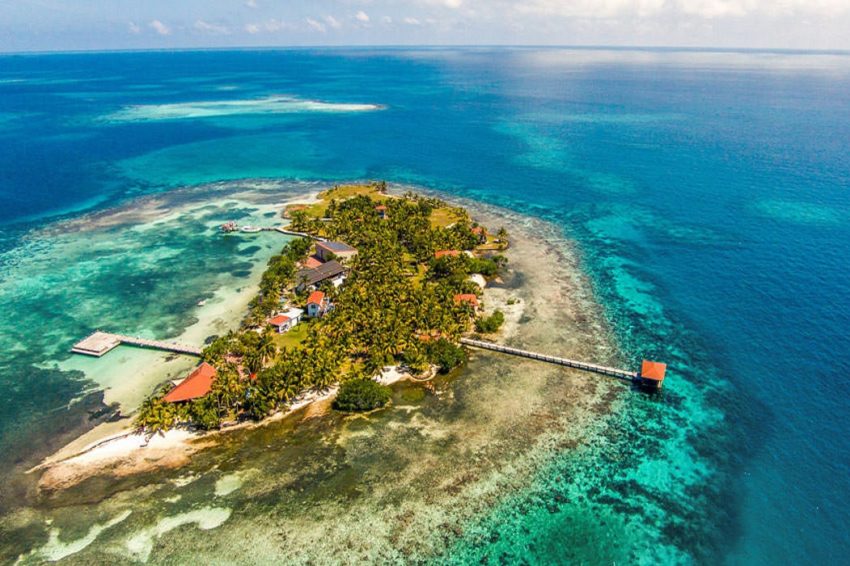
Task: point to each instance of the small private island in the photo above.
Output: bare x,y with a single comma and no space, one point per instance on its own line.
372,281
376,281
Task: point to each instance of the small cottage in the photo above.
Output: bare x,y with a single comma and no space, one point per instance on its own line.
381,209
285,321
317,304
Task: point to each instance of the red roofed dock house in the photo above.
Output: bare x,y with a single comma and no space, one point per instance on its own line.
652,374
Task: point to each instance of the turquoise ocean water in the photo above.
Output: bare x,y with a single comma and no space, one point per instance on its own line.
709,191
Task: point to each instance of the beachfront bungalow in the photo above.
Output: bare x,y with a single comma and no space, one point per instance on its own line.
285,321
327,251
466,299
317,304
195,386
309,279
446,253
652,374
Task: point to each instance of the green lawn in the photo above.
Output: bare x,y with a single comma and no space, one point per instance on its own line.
293,338
442,217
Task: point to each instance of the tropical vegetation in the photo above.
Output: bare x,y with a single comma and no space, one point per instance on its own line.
396,306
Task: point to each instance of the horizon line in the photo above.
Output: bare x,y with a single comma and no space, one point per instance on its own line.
436,46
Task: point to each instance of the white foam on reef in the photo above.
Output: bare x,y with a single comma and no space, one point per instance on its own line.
228,484
55,549
209,109
141,544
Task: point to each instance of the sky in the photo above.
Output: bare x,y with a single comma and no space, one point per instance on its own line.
60,25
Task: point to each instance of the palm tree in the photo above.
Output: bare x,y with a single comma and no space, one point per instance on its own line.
266,348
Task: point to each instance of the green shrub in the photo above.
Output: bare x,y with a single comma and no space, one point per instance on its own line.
445,355
361,395
490,323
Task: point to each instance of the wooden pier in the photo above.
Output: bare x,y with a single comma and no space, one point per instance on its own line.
101,343
299,234
630,376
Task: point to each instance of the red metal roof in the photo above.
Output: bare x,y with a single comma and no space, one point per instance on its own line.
467,298
316,297
279,320
444,253
196,385
381,207
653,370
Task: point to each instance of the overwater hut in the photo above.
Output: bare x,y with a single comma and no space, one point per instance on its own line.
652,374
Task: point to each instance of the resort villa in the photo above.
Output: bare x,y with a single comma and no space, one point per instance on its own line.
332,271
327,251
285,321
317,304
196,385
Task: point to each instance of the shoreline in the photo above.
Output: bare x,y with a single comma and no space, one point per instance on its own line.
125,452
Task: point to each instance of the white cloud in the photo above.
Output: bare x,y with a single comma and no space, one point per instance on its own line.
316,25
412,21
214,29
134,28
160,27
362,16
253,29
333,22
251,3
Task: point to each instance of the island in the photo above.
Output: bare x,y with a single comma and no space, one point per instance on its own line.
376,282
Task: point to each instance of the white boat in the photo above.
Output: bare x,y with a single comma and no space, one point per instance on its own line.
251,229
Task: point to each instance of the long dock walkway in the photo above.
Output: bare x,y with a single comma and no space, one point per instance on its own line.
612,372
100,343
299,234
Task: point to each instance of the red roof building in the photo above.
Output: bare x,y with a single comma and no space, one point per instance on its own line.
279,320
468,298
316,298
446,253
652,374
312,262
196,385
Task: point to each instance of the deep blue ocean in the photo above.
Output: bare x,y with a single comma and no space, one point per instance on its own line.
709,192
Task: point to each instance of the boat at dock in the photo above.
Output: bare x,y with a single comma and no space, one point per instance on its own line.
251,229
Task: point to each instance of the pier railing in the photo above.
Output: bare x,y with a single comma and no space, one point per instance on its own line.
566,362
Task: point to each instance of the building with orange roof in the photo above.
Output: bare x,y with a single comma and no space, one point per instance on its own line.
466,298
652,374
285,321
195,386
446,253
317,304
381,209
480,233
